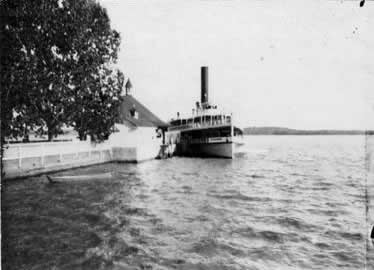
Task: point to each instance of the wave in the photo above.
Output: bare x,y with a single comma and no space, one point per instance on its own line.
240,197
267,235
296,223
255,176
352,236
212,246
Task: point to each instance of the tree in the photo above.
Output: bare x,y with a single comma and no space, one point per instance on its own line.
52,52
97,85
32,74
96,105
57,65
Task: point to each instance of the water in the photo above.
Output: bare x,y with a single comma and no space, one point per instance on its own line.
285,202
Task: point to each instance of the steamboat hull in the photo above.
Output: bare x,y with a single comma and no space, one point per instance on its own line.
219,150
213,141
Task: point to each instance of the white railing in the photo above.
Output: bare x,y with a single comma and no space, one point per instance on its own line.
200,125
211,140
27,150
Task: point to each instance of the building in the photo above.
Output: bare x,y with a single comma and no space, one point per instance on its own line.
138,128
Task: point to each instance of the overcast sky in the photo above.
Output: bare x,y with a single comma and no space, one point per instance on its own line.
299,64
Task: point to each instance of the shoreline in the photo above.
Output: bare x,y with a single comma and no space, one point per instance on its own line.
274,130
292,134
24,160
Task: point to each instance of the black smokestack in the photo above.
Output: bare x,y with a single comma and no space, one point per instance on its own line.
204,85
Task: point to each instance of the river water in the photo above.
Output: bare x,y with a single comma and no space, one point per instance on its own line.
284,202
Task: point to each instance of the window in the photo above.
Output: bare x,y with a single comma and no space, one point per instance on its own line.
134,113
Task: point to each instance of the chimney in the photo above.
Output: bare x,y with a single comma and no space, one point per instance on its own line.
204,86
128,87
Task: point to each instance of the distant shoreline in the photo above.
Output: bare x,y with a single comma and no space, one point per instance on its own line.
288,131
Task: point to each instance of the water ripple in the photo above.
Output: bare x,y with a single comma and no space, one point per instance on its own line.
286,202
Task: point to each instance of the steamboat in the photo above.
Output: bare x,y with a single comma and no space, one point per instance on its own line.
208,132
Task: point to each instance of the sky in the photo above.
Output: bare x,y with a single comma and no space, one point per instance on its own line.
291,63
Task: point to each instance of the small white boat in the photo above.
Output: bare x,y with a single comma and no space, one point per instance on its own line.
238,140
85,177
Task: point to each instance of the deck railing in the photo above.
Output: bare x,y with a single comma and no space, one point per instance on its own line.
211,123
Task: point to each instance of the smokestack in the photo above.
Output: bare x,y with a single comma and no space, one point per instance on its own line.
204,86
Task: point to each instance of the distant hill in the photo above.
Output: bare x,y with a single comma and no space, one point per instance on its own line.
288,131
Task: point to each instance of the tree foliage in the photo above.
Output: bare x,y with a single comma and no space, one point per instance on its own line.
57,68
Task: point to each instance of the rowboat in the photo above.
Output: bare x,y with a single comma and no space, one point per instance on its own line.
85,177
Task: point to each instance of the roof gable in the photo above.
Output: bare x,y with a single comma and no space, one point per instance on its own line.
142,118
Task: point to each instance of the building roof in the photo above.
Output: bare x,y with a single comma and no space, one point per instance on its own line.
143,116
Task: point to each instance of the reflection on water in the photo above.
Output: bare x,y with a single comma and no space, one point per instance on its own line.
285,202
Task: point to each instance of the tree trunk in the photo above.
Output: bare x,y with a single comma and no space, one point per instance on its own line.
50,131
2,155
26,138
50,135
82,135
26,135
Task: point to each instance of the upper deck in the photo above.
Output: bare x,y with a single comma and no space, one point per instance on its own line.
205,119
